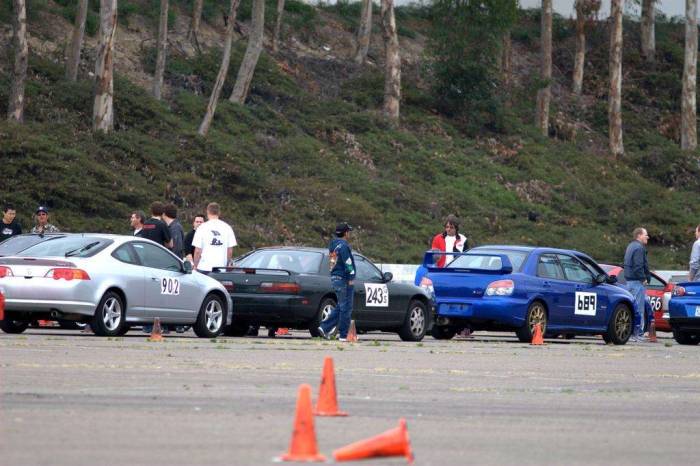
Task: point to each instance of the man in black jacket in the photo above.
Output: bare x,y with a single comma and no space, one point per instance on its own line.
637,275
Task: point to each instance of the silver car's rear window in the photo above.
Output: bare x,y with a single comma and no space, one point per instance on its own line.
68,246
294,261
15,244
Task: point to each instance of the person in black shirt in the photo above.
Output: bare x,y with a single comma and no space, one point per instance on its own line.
10,226
175,228
189,249
155,229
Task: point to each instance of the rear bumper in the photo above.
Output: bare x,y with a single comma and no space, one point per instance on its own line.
40,295
43,306
260,308
508,312
686,323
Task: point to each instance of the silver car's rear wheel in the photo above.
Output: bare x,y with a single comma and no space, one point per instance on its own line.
211,318
109,315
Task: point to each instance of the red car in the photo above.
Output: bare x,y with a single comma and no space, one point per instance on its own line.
658,292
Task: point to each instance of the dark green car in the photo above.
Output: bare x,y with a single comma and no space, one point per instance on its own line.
291,287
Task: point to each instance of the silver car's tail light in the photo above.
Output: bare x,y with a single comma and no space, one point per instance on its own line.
5,272
68,274
500,288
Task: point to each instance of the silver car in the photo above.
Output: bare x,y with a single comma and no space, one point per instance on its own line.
112,282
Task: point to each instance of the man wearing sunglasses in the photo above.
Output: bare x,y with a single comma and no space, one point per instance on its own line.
42,222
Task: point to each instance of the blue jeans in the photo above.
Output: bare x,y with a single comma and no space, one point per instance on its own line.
341,314
638,291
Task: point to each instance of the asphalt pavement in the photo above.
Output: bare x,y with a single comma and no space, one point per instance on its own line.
73,399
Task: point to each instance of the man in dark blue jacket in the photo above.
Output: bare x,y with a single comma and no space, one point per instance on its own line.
637,275
342,265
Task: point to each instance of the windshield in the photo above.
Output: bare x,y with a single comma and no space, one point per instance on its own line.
294,261
15,244
68,246
478,259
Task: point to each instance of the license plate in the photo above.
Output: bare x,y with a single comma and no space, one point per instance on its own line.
458,309
697,311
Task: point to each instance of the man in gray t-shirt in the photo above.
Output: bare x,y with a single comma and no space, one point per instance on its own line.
694,268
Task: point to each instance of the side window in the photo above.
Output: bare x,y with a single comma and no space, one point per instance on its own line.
125,254
655,283
365,270
574,270
548,267
154,257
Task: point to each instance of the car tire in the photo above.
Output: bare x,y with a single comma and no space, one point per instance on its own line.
443,332
324,309
211,317
536,314
110,316
13,326
413,328
620,326
685,338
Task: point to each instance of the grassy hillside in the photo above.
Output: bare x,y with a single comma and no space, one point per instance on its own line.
293,160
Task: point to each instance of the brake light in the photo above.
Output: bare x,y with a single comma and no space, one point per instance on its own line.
678,291
68,274
500,288
5,272
287,288
227,284
427,284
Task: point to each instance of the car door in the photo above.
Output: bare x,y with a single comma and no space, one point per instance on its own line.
133,275
554,287
170,293
585,304
372,299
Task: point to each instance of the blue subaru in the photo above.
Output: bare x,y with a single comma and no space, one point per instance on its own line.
684,313
517,287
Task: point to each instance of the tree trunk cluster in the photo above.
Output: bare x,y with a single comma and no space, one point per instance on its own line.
252,54
76,43
689,136
162,47
364,32
278,26
646,27
585,11
103,109
544,95
392,71
615,94
15,110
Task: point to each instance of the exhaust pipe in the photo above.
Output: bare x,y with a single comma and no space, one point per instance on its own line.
443,320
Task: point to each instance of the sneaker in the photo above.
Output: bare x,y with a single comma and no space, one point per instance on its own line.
342,339
180,329
633,339
323,334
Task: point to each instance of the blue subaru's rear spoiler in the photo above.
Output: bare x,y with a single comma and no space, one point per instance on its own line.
431,258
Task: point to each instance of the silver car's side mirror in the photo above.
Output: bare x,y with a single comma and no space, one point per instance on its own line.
187,267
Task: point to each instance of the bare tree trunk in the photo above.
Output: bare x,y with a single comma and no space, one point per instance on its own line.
73,58
252,53
647,29
364,32
580,58
223,70
162,49
15,110
689,135
507,67
615,95
392,71
103,109
196,20
544,95
278,25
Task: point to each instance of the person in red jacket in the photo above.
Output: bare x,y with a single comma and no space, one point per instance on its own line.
450,240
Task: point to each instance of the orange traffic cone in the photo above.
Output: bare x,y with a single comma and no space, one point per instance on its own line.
327,403
652,332
352,333
537,338
282,331
2,305
393,442
303,446
157,331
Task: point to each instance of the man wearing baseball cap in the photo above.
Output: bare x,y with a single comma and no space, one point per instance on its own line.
42,222
342,266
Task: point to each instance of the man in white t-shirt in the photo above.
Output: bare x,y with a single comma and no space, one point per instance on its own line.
213,242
